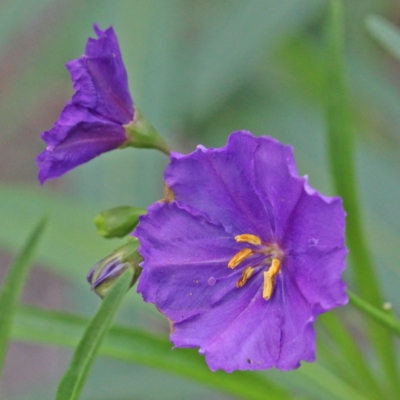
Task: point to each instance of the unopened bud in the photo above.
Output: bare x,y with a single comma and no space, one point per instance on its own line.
118,221
102,276
140,133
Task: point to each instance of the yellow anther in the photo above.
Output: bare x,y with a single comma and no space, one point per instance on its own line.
239,257
246,274
275,267
269,278
247,238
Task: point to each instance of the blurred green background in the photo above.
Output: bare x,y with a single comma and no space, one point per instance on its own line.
198,70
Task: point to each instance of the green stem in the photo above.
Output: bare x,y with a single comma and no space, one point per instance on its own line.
141,133
385,318
341,145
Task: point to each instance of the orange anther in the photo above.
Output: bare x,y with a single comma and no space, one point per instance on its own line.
247,238
239,257
246,274
269,278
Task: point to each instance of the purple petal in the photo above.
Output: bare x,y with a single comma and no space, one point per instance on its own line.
314,241
220,183
77,137
277,181
187,259
100,79
244,331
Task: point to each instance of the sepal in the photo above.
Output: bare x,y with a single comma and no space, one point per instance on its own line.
141,133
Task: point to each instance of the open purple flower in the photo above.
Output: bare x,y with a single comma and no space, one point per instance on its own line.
245,257
92,122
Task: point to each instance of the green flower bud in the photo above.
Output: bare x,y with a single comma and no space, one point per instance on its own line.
118,221
102,276
140,133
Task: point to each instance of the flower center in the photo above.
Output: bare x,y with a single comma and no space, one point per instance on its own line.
272,260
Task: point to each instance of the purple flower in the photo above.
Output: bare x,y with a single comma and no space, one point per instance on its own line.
92,122
245,257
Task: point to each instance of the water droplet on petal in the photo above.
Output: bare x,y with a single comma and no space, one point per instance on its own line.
211,281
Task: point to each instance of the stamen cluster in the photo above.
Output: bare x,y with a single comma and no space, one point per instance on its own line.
272,258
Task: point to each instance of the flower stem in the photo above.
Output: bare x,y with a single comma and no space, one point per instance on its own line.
385,318
141,133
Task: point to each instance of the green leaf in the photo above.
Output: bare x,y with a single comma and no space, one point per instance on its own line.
340,132
73,380
387,34
331,383
13,285
385,318
137,346
356,369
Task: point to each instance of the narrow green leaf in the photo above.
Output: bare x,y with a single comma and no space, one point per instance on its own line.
385,318
340,132
387,34
74,378
332,384
13,285
355,369
140,347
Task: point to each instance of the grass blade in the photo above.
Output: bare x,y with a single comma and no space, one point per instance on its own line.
338,389
340,131
74,378
144,348
13,284
356,370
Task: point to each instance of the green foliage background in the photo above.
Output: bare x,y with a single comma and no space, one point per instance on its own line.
198,70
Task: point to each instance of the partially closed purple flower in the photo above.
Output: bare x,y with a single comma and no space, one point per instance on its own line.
245,257
92,122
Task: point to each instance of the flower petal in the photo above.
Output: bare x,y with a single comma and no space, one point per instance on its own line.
220,183
315,243
186,261
277,180
243,331
77,137
100,79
